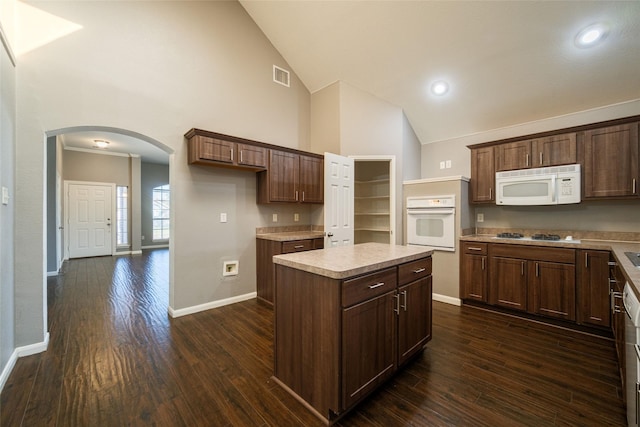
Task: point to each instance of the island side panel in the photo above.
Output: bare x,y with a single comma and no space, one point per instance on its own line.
307,337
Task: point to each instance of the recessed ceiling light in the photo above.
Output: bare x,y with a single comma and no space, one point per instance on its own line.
100,143
439,88
591,35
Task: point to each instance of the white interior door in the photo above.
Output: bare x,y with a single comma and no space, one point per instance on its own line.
338,200
89,220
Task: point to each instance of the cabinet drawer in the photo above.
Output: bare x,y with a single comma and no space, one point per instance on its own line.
369,286
414,270
473,248
297,246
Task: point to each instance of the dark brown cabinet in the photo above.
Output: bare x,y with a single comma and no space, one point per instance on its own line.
474,271
292,178
554,150
211,151
265,250
610,164
593,288
536,280
552,290
540,152
483,175
508,283
337,340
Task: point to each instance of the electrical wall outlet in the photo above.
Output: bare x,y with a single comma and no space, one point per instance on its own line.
275,217
442,165
223,217
448,164
296,217
480,217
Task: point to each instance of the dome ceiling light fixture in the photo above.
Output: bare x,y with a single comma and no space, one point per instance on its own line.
100,143
591,35
439,88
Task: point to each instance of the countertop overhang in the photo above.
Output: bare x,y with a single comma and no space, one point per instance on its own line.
348,261
286,236
631,272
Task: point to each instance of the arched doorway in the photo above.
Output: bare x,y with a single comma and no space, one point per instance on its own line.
134,149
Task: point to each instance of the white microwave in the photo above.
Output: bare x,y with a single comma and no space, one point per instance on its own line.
557,185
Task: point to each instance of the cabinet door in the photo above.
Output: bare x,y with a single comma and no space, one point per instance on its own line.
473,278
508,286
283,176
554,150
414,327
593,288
513,155
311,180
483,175
215,149
368,346
552,290
611,162
251,155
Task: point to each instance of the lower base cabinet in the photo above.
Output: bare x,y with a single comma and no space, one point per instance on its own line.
336,341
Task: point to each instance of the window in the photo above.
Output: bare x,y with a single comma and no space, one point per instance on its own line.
122,228
161,213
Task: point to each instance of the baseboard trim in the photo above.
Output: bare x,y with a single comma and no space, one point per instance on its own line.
155,247
26,350
208,306
447,299
52,273
136,252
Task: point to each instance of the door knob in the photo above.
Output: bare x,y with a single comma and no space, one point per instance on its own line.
329,234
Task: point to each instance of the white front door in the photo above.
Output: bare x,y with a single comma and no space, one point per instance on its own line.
90,220
338,200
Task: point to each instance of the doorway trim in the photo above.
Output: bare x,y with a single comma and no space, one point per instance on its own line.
392,187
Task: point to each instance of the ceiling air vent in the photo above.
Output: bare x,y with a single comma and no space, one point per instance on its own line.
281,76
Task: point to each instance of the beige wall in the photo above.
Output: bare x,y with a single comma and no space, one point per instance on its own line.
159,69
611,215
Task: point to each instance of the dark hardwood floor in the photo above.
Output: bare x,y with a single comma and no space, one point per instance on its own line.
115,358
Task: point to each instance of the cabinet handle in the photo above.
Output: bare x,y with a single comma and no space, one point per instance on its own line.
296,195
537,269
541,158
404,295
231,149
490,193
298,247
241,155
482,259
586,260
418,271
377,285
634,185
527,161
473,249
522,268
303,196
397,309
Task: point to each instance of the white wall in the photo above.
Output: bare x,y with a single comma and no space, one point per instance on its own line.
158,69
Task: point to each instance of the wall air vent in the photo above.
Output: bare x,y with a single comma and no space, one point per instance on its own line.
281,76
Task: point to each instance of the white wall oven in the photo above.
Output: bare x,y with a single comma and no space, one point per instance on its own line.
431,222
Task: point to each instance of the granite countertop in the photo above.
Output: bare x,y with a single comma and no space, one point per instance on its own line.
285,236
617,248
347,261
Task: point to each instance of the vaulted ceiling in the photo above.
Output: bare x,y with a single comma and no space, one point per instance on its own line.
506,62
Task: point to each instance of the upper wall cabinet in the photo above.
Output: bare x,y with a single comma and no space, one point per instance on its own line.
208,148
292,178
483,175
548,151
610,164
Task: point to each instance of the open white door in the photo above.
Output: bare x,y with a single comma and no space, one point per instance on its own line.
338,200
89,220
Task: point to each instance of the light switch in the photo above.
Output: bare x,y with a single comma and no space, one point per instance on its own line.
448,164
296,217
5,196
223,217
480,217
275,217
442,165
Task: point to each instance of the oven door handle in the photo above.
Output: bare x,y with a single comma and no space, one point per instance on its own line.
430,211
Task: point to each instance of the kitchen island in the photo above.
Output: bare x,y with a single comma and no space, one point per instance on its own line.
346,319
